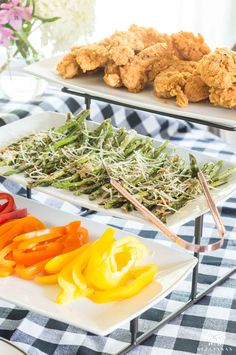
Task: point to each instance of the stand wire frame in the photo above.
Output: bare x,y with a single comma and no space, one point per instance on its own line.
194,297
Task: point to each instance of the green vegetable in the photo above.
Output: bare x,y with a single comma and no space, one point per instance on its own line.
76,158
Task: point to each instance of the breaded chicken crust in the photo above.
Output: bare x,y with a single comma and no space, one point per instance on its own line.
218,69
223,97
189,47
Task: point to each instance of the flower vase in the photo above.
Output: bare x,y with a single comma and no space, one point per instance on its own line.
17,85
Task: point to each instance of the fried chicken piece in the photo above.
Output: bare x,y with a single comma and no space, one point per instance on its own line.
189,47
125,38
121,55
188,66
136,38
170,63
218,69
135,74
195,89
112,75
91,57
225,98
171,84
149,36
68,66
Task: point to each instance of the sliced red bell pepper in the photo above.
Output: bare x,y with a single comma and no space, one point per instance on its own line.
3,206
19,213
9,206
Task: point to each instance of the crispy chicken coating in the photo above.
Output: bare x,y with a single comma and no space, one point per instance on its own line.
170,63
184,86
121,55
195,89
189,47
68,67
125,38
149,36
182,65
91,57
223,97
112,75
135,74
218,69
171,84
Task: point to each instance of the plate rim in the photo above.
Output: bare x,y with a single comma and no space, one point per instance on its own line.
13,345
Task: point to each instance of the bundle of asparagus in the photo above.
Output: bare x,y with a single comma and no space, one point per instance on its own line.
82,160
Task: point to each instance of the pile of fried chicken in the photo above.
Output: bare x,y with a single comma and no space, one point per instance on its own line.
180,65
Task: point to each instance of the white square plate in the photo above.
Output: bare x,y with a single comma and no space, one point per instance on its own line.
43,121
202,112
8,348
100,319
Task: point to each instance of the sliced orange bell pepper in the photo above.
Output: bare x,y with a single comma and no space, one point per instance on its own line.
6,271
16,227
76,236
30,272
4,252
31,240
29,258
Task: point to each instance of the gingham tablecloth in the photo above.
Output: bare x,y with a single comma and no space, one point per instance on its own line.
208,327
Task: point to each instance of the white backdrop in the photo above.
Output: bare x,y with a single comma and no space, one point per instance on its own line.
214,19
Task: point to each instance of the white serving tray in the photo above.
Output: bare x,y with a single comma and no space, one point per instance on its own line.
102,319
8,348
202,112
43,121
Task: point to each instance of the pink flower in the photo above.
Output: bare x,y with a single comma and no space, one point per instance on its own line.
12,14
5,35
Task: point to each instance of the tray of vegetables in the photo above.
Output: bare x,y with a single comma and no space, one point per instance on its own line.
73,159
79,271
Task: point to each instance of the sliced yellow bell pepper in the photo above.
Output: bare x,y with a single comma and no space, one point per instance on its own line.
56,264
142,276
69,290
112,259
104,271
47,279
80,264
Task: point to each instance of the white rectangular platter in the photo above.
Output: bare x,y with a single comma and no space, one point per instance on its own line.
101,319
202,112
43,121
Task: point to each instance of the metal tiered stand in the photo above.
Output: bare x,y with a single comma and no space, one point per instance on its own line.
194,296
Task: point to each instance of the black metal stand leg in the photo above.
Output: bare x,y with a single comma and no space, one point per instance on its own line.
134,330
87,213
87,100
197,238
28,192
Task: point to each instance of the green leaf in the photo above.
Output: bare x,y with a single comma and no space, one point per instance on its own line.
45,20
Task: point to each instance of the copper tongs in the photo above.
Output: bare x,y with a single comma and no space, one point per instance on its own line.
162,227
196,172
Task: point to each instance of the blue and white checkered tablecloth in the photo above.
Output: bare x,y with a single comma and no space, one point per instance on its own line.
208,327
